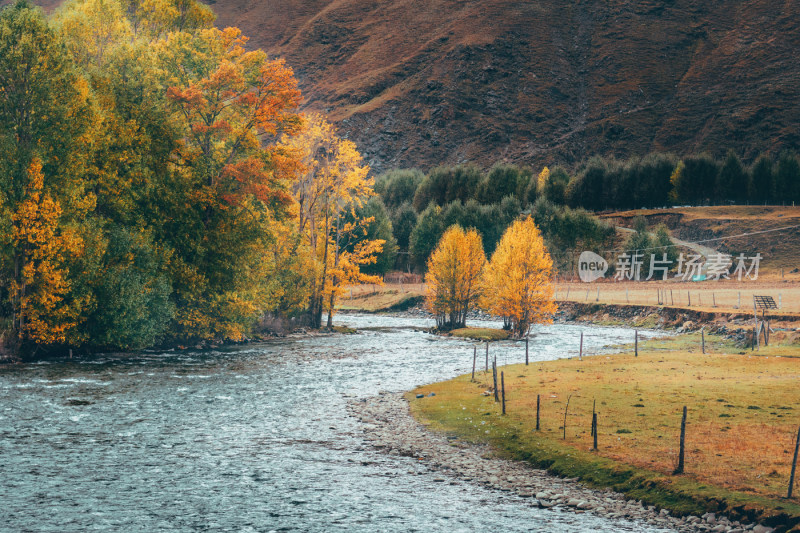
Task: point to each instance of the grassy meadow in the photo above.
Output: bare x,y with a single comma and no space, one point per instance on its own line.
743,415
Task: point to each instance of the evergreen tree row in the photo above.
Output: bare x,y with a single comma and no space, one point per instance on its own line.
421,205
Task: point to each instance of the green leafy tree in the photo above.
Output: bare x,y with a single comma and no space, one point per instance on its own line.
447,184
586,189
501,181
787,178
698,179
555,186
663,245
640,243
732,180
651,180
762,180
134,307
397,187
403,221
426,234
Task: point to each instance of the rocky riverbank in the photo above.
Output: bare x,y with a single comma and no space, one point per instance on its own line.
388,425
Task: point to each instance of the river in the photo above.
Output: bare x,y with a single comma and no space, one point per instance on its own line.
251,438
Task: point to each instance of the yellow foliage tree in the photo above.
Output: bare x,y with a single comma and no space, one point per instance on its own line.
542,178
38,290
454,276
333,182
91,28
519,279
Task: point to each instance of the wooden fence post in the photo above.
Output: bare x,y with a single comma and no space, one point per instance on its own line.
566,408
703,338
594,403
474,358
594,430
689,296
494,377
794,463
679,470
636,343
526,351
503,388
537,412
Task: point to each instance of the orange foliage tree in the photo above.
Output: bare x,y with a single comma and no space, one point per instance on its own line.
40,285
231,105
231,102
454,276
518,279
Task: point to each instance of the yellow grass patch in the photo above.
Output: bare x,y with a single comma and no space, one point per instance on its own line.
743,413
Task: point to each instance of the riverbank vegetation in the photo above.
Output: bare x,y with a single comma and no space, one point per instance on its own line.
739,437
159,184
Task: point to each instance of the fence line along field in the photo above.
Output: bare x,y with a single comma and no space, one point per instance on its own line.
711,296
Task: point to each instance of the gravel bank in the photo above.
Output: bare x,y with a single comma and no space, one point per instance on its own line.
388,425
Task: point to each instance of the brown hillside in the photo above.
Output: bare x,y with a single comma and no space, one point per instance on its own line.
424,82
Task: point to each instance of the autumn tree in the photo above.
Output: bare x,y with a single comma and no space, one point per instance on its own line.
90,29
230,105
151,19
379,228
454,276
45,116
40,287
518,279
333,183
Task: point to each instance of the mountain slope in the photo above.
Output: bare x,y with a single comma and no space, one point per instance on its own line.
425,82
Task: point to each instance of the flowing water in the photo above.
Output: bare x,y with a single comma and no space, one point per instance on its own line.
253,438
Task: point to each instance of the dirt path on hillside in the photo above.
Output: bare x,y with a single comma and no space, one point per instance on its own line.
703,250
